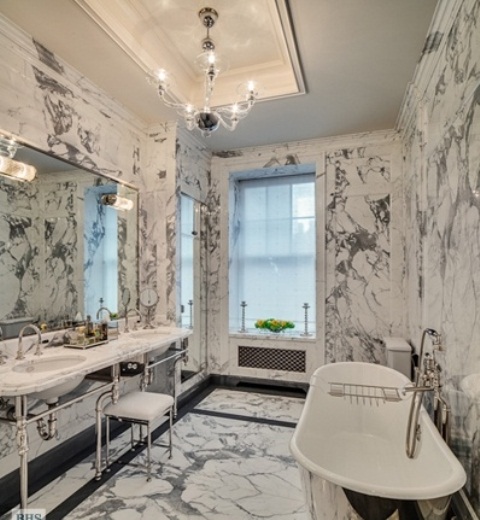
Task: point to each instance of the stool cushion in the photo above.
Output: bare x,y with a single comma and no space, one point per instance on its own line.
140,406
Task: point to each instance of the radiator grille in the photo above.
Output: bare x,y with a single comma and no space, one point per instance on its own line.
271,358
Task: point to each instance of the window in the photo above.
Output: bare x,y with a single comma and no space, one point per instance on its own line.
100,253
273,250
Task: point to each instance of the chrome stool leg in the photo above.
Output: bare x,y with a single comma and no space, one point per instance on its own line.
107,443
149,453
170,432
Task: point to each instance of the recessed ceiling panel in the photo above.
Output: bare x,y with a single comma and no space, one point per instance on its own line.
253,37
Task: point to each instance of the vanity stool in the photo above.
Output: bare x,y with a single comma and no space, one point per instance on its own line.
140,408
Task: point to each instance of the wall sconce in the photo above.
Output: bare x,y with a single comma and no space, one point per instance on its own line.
120,203
11,168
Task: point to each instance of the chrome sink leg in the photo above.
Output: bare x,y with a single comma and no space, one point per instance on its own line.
113,395
22,446
98,419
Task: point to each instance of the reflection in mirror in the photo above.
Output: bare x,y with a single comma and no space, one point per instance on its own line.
61,250
187,219
192,281
126,296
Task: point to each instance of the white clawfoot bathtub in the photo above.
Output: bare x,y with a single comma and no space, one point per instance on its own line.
351,451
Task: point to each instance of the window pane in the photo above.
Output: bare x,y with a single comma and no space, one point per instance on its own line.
275,259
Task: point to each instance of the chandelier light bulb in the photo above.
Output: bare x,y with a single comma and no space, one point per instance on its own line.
162,75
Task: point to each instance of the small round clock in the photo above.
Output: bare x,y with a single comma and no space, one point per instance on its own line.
148,297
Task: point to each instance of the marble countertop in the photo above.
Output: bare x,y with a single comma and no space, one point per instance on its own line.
127,346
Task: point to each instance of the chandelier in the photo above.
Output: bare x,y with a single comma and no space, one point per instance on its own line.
207,119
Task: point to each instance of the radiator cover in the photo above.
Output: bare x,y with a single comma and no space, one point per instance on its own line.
272,358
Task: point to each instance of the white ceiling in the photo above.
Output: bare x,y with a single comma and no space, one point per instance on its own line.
357,56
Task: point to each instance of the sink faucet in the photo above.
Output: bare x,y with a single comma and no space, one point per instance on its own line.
20,351
103,308
127,314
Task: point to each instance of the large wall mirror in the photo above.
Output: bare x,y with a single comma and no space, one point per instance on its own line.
63,246
193,282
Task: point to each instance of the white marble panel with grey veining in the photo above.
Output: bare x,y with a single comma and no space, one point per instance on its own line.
359,261
442,165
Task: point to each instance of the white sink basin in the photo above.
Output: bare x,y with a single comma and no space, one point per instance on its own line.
53,393
49,364
41,365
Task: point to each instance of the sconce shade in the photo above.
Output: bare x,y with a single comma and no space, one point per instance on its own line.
11,168
17,170
120,203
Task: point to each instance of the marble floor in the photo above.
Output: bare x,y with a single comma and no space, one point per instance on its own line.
230,461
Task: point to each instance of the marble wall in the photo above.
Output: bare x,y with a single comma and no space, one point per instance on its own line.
364,240
19,256
50,106
441,133
360,248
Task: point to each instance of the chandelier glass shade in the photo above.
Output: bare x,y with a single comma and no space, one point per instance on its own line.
207,119
11,168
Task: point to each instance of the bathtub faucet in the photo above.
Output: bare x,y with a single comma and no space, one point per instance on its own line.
427,379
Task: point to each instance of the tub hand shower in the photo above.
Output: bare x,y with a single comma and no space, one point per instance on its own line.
427,379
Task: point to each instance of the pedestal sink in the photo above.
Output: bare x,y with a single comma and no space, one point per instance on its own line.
43,365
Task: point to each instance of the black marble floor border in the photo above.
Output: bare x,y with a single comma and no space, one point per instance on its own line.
246,418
